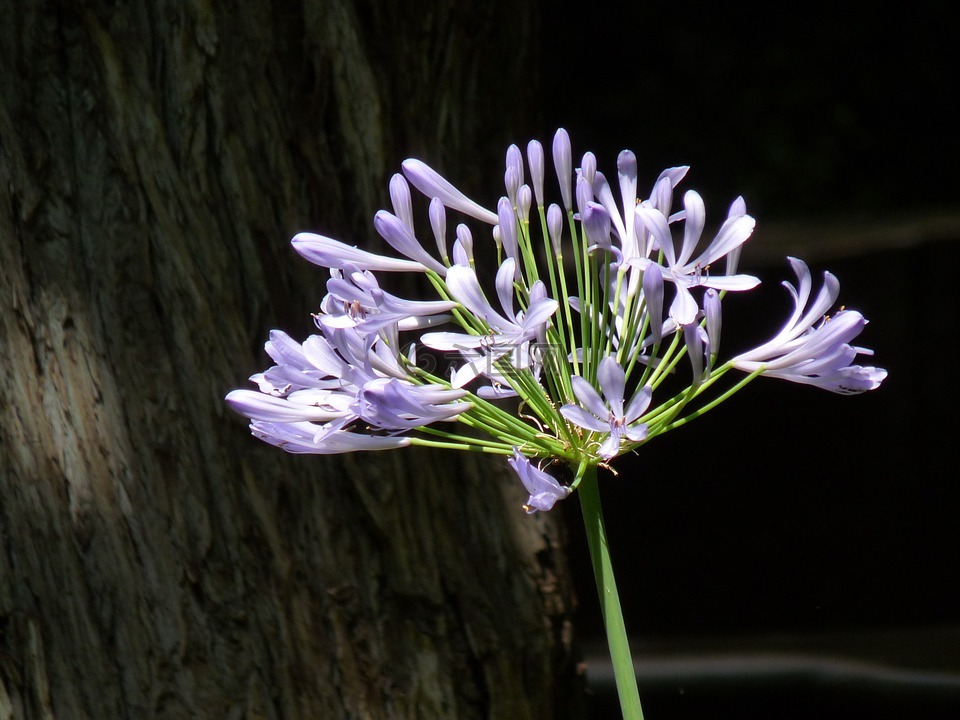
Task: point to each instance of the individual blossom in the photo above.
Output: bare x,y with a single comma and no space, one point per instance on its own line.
813,348
392,404
686,271
544,489
354,299
607,414
510,331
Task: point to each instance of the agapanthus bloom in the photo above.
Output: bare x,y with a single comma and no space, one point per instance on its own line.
820,355
593,304
608,418
544,489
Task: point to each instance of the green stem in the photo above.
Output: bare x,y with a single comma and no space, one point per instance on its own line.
609,600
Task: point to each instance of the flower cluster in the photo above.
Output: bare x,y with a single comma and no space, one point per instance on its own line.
560,332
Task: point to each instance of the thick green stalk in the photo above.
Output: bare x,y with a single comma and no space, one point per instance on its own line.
609,599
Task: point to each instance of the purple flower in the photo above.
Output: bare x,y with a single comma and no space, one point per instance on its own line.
653,296
685,271
463,246
310,405
392,404
623,224
555,227
597,227
354,299
511,330
351,387
332,381
543,488
812,348
610,416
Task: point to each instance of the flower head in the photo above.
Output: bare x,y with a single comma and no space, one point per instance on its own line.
581,347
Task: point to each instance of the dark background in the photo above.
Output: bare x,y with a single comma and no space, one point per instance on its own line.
791,517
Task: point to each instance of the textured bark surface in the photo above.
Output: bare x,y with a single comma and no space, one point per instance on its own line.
156,561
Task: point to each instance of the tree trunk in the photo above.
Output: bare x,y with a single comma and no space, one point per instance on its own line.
158,562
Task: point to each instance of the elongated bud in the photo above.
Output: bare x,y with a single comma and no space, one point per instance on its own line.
588,166
400,198
584,193
463,246
653,295
511,179
737,208
563,164
465,238
460,256
596,223
555,227
711,308
694,343
524,201
508,227
392,229
515,161
329,253
438,223
428,181
535,161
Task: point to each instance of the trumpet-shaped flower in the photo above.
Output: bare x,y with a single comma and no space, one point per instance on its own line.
511,330
812,348
543,488
607,414
355,299
687,272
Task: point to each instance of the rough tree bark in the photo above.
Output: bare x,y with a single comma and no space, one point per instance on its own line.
156,561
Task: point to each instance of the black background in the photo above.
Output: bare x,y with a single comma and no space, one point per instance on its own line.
789,510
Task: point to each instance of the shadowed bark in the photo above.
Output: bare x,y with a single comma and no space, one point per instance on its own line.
155,560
